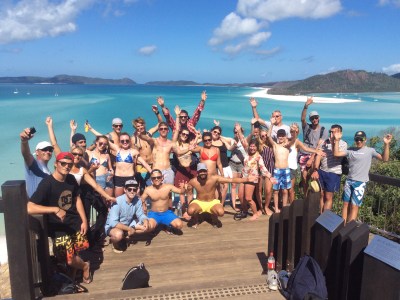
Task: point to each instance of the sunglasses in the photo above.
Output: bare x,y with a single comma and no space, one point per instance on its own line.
162,128
47,149
102,144
156,177
277,116
65,164
120,125
183,117
185,134
216,132
206,140
76,154
314,118
132,189
263,136
358,139
124,141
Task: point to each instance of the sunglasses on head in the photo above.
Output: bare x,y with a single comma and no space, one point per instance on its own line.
162,128
118,125
132,189
156,177
47,149
124,141
76,154
65,164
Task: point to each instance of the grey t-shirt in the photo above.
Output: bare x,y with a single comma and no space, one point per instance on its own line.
311,140
275,129
360,162
329,163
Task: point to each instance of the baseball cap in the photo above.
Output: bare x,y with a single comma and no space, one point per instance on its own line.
130,182
360,134
77,137
281,132
116,121
64,155
201,166
43,144
313,113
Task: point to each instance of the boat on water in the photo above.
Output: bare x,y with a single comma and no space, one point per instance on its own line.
16,91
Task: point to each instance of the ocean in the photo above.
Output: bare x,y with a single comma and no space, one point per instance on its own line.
23,106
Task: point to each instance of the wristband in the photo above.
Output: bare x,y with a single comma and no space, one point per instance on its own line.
157,113
59,209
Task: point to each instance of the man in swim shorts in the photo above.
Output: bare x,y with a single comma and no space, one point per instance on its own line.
205,186
159,193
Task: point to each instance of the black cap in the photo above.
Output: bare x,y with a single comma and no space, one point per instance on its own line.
77,137
360,134
281,132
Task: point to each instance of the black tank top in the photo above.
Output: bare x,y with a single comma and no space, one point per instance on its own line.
223,155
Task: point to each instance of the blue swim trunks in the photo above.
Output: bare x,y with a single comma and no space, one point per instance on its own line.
164,218
353,192
283,178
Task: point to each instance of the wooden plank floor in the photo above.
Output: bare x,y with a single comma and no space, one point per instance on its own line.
228,260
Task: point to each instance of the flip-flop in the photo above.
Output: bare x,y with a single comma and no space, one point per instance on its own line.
89,279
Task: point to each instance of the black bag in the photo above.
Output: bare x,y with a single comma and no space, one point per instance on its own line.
345,166
137,277
306,282
62,284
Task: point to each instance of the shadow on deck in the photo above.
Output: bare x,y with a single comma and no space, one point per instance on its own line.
202,263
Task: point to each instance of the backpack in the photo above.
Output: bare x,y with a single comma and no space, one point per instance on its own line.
137,277
345,166
306,282
62,284
306,138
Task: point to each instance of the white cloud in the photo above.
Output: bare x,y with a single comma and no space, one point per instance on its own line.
392,69
147,50
251,17
274,10
34,19
232,27
389,2
267,53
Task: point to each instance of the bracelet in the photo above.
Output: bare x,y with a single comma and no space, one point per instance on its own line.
305,106
157,113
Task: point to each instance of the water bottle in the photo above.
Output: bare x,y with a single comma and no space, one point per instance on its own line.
86,126
179,209
271,261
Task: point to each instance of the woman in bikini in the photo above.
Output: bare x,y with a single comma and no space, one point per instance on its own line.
209,155
99,159
125,162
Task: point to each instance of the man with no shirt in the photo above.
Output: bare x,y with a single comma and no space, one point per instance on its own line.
205,186
159,193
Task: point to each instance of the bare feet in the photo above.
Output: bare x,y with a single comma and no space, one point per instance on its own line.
277,210
254,217
186,216
268,211
87,275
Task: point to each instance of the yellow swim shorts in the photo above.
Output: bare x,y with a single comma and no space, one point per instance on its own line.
206,205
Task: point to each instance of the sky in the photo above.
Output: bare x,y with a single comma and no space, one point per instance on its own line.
206,41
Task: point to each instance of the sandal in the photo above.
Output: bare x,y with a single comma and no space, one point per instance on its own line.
88,279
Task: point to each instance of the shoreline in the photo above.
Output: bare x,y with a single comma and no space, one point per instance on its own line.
263,93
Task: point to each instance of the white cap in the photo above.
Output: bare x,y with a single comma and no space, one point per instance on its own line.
116,121
42,145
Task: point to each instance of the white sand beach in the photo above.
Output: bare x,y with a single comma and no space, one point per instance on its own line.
263,94
3,250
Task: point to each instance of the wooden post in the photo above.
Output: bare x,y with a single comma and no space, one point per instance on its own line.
310,214
17,235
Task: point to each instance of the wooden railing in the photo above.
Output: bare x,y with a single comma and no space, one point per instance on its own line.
27,241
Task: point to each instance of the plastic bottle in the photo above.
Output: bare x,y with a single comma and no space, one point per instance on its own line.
271,261
86,126
179,209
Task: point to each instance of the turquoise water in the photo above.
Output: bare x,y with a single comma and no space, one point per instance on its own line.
100,104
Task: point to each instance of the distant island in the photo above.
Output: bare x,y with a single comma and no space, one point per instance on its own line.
345,81
66,79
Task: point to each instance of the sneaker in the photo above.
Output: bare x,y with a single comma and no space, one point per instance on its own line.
272,280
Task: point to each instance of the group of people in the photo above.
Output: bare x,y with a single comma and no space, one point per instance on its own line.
129,178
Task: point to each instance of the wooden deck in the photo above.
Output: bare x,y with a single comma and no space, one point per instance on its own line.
203,263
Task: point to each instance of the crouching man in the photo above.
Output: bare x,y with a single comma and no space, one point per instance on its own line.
126,218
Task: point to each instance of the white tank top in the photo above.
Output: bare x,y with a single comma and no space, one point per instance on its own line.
78,176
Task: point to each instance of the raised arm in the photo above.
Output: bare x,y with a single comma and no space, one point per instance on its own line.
386,141
25,136
52,136
168,118
196,114
336,138
175,135
253,103
92,130
304,111
73,125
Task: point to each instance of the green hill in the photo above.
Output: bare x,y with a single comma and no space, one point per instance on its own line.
346,81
